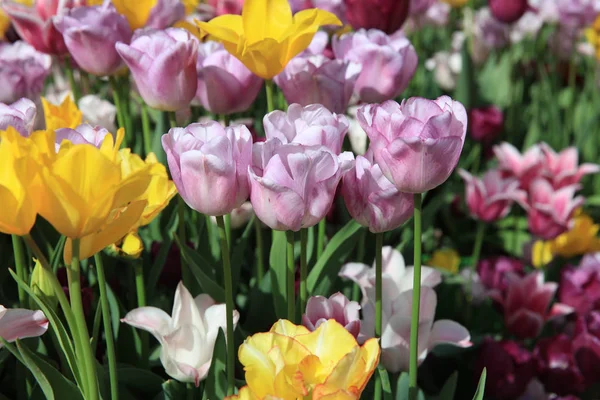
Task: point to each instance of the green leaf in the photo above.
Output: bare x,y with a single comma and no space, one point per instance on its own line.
140,380
239,253
481,386
465,85
277,261
385,382
57,253
216,382
402,388
172,390
159,262
448,390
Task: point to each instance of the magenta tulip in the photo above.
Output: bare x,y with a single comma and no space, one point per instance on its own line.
209,165
165,13
221,7
20,115
417,143
493,273
586,341
320,309
485,123
385,15
563,168
163,65
525,167
580,286
508,11
418,7
556,365
18,323
23,71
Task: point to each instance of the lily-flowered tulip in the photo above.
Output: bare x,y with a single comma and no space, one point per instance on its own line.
209,165
320,309
18,323
90,34
563,168
525,167
417,143
292,185
337,7
387,15
485,123
550,211
163,65
586,342
23,71
493,272
20,115
580,286
267,36
290,362
188,336
526,304
491,197
319,80
225,85
508,11
371,199
313,125
64,115
388,62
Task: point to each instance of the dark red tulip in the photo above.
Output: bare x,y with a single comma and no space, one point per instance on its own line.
485,123
508,11
580,286
385,15
556,365
586,343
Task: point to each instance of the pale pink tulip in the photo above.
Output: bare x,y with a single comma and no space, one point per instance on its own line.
563,168
18,323
20,115
83,134
23,71
320,309
525,167
165,13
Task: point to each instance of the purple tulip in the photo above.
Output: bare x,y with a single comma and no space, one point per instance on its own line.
313,125
20,115
508,11
23,71
485,123
386,15
337,7
165,13
489,32
225,85
556,365
163,65
493,272
90,34
418,7
388,62
320,309
577,13
209,165
580,286
417,143
83,134
319,80
372,200
292,185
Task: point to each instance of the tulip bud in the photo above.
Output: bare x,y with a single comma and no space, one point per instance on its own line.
385,15
485,123
508,11
42,287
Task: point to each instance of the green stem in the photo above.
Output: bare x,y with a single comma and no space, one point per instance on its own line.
20,265
140,290
303,269
227,218
269,91
475,258
71,76
378,302
119,105
190,391
227,277
173,119
260,259
186,274
108,330
84,337
414,324
146,130
126,103
291,277
321,238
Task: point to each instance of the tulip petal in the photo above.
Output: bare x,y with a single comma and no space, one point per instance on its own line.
224,28
150,319
287,328
185,310
266,19
449,332
19,323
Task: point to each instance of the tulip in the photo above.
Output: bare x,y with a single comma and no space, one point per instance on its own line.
209,165
318,46
386,15
267,36
446,259
493,272
222,7
420,6
491,197
157,14
98,112
356,135
510,368
20,115
556,365
163,66
337,7
239,217
318,80
551,211
290,362
563,168
578,240
485,123
165,13
292,185
225,85
580,286
188,336
83,134
320,309
90,34
508,11
489,33
394,272
18,323
372,200
525,167
417,143
526,304
23,71
586,342
388,62
313,125
577,13
64,115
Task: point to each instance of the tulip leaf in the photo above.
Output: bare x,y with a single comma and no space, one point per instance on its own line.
159,263
480,386
385,382
57,253
448,390
277,261
172,390
402,388
216,382
239,252
140,380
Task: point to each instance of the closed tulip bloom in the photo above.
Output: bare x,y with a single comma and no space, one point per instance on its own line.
187,337
267,36
91,33
319,80
563,168
209,165
320,309
372,200
508,11
20,115
385,15
23,71
225,85
18,323
163,66
292,185
165,13
485,123
313,125
417,143
388,62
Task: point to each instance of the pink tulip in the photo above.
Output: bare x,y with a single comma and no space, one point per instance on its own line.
550,210
420,6
165,13
586,343
493,273
417,143
577,13
163,65
226,6
292,185
490,34
319,80
526,304
580,286
563,168
20,115
485,123
320,309
556,365
385,15
23,71
225,85
209,165
83,134
317,47
388,62
491,197
508,11
372,200
525,167
313,125
18,323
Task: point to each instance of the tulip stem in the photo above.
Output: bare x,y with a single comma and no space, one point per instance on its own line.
416,300
227,277
84,337
140,289
108,329
146,129
173,119
378,303
20,266
269,91
475,258
321,238
260,259
291,277
71,76
118,104
227,218
303,268
186,274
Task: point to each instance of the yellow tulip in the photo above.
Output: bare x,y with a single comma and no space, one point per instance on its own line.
289,362
190,6
456,3
541,253
137,12
267,36
447,259
64,115
4,23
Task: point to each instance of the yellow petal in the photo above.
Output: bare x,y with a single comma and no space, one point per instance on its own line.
137,12
287,328
226,28
266,19
306,24
541,253
64,115
244,394
132,245
447,259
